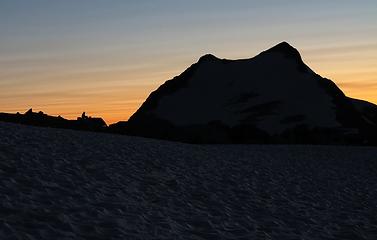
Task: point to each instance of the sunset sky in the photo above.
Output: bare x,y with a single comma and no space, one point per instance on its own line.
105,56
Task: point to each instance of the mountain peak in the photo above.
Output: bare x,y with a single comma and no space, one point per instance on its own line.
208,57
286,49
283,47
290,52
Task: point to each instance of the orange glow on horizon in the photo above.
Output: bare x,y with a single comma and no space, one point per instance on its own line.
115,93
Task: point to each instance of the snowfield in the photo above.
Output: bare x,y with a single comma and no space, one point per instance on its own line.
65,184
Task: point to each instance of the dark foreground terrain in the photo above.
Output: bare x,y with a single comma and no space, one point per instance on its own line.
65,184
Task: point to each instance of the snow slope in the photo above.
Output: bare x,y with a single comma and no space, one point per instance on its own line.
65,184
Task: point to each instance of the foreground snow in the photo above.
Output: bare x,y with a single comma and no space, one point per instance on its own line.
62,184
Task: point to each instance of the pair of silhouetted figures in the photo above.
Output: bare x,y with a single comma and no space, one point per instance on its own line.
83,117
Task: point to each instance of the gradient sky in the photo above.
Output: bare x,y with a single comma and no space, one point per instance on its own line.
105,56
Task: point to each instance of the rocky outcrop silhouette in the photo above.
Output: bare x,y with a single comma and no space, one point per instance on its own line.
44,120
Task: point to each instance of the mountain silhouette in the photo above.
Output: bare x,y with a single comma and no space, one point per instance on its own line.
43,120
273,97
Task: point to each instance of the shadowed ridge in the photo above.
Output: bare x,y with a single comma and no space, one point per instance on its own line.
172,85
169,87
283,47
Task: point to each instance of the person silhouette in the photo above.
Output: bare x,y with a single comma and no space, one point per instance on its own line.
83,116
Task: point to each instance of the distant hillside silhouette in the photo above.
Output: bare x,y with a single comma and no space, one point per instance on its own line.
44,120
